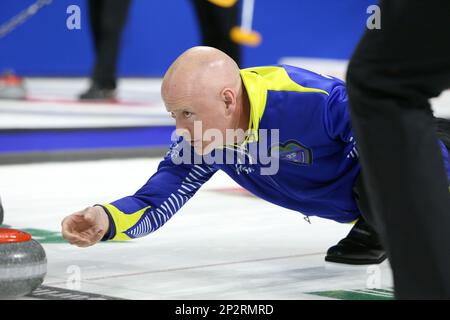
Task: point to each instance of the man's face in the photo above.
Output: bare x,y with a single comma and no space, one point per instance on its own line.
202,120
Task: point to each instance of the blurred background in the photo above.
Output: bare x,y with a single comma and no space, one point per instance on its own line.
158,31
80,79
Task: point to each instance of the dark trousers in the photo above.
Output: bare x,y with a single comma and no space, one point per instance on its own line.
391,77
215,25
442,127
107,19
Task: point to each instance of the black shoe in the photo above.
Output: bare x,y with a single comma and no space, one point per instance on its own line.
98,94
361,246
1,212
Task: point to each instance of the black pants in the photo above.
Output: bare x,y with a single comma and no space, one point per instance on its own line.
392,74
215,25
107,19
442,127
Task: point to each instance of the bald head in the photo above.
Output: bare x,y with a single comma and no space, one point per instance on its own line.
199,70
203,87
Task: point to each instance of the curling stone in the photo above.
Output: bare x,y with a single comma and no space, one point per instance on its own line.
23,264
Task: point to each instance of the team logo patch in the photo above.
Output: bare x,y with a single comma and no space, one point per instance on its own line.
293,151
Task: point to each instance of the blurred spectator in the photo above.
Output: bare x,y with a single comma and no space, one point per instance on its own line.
216,23
107,19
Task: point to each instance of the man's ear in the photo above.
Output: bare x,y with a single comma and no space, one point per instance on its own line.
229,98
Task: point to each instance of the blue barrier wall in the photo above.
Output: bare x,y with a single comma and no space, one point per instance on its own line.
158,31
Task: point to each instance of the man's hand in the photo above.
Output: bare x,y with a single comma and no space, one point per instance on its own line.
85,228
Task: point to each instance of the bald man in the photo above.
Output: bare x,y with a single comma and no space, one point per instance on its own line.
283,133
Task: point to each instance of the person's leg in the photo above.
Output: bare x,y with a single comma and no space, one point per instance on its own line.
391,76
215,25
113,17
206,22
362,245
227,19
95,9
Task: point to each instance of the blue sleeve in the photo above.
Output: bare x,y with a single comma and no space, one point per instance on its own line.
337,117
157,201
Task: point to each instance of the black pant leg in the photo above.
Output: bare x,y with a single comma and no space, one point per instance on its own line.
112,17
215,25
391,76
95,9
362,200
442,127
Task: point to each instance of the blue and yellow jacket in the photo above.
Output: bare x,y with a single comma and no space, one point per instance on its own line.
318,158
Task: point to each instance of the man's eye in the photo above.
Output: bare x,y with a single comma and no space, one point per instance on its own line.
187,114
172,115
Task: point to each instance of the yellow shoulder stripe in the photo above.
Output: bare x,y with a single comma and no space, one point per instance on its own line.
257,81
277,79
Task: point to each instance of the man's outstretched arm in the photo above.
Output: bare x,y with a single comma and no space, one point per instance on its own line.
142,213
156,202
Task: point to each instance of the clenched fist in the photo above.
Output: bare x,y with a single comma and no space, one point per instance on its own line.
85,228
